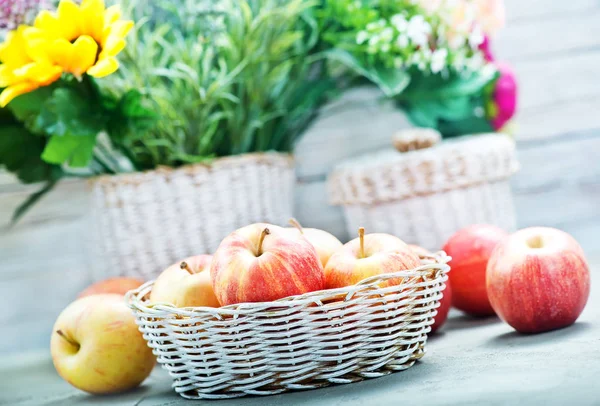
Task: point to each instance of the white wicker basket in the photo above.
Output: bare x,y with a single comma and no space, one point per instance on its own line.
145,221
425,196
301,342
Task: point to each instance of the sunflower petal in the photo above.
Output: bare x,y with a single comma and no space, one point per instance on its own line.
103,68
85,50
112,14
41,73
118,29
15,90
49,23
6,76
92,18
12,51
36,44
61,53
112,46
69,18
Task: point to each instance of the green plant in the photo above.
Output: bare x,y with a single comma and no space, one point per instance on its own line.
225,77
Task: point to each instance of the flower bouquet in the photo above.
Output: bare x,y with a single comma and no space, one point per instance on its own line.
432,57
186,138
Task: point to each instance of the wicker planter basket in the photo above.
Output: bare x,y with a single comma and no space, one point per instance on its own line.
144,222
425,196
301,342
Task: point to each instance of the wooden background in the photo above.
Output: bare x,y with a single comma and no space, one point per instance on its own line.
554,46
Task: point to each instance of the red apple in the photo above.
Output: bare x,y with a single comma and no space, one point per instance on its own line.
538,280
119,286
442,311
262,262
366,256
325,244
445,302
470,249
186,284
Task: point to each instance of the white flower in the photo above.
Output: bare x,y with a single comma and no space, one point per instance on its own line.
418,30
374,40
476,37
438,60
385,47
361,37
399,21
387,34
459,61
456,40
475,62
402,41
375,25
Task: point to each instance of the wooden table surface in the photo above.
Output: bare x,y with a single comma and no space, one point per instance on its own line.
471,361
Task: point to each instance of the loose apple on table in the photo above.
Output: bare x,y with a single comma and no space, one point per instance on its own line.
470,249
96,346
538,280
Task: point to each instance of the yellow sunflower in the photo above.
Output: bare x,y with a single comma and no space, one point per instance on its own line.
80,39
75,39
20,71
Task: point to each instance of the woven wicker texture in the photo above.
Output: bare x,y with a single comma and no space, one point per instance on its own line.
425,196
144,222
302,342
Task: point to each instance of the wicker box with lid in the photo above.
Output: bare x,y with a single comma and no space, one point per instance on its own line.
423,196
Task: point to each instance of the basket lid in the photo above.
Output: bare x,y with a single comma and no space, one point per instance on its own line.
388,175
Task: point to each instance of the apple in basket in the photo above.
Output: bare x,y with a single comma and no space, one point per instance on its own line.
470,249
186,284
96,346
538,280
112,285
325,243
445,303
262,262
366,256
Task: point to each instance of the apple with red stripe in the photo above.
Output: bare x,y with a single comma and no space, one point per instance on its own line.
538,280
366,256
262,262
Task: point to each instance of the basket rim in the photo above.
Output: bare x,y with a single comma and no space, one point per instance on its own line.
268,157
134,298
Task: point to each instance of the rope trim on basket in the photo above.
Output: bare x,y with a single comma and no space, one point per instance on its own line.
301,342
277,159
389,176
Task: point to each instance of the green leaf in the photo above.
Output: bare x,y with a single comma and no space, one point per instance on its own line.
77,151
390,80
28,106
67,112
20,152
31,200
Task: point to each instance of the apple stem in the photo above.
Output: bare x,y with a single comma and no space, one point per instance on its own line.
361,236
184,265
296,224
263,234
67,339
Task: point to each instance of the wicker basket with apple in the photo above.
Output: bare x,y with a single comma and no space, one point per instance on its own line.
298,311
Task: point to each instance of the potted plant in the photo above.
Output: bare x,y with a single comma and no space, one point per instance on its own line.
185,139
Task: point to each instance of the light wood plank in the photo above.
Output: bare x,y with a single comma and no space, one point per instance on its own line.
536,10
354,125
548,36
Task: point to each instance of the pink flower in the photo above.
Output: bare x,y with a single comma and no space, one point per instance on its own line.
486,49
491,15
16,12
504,97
